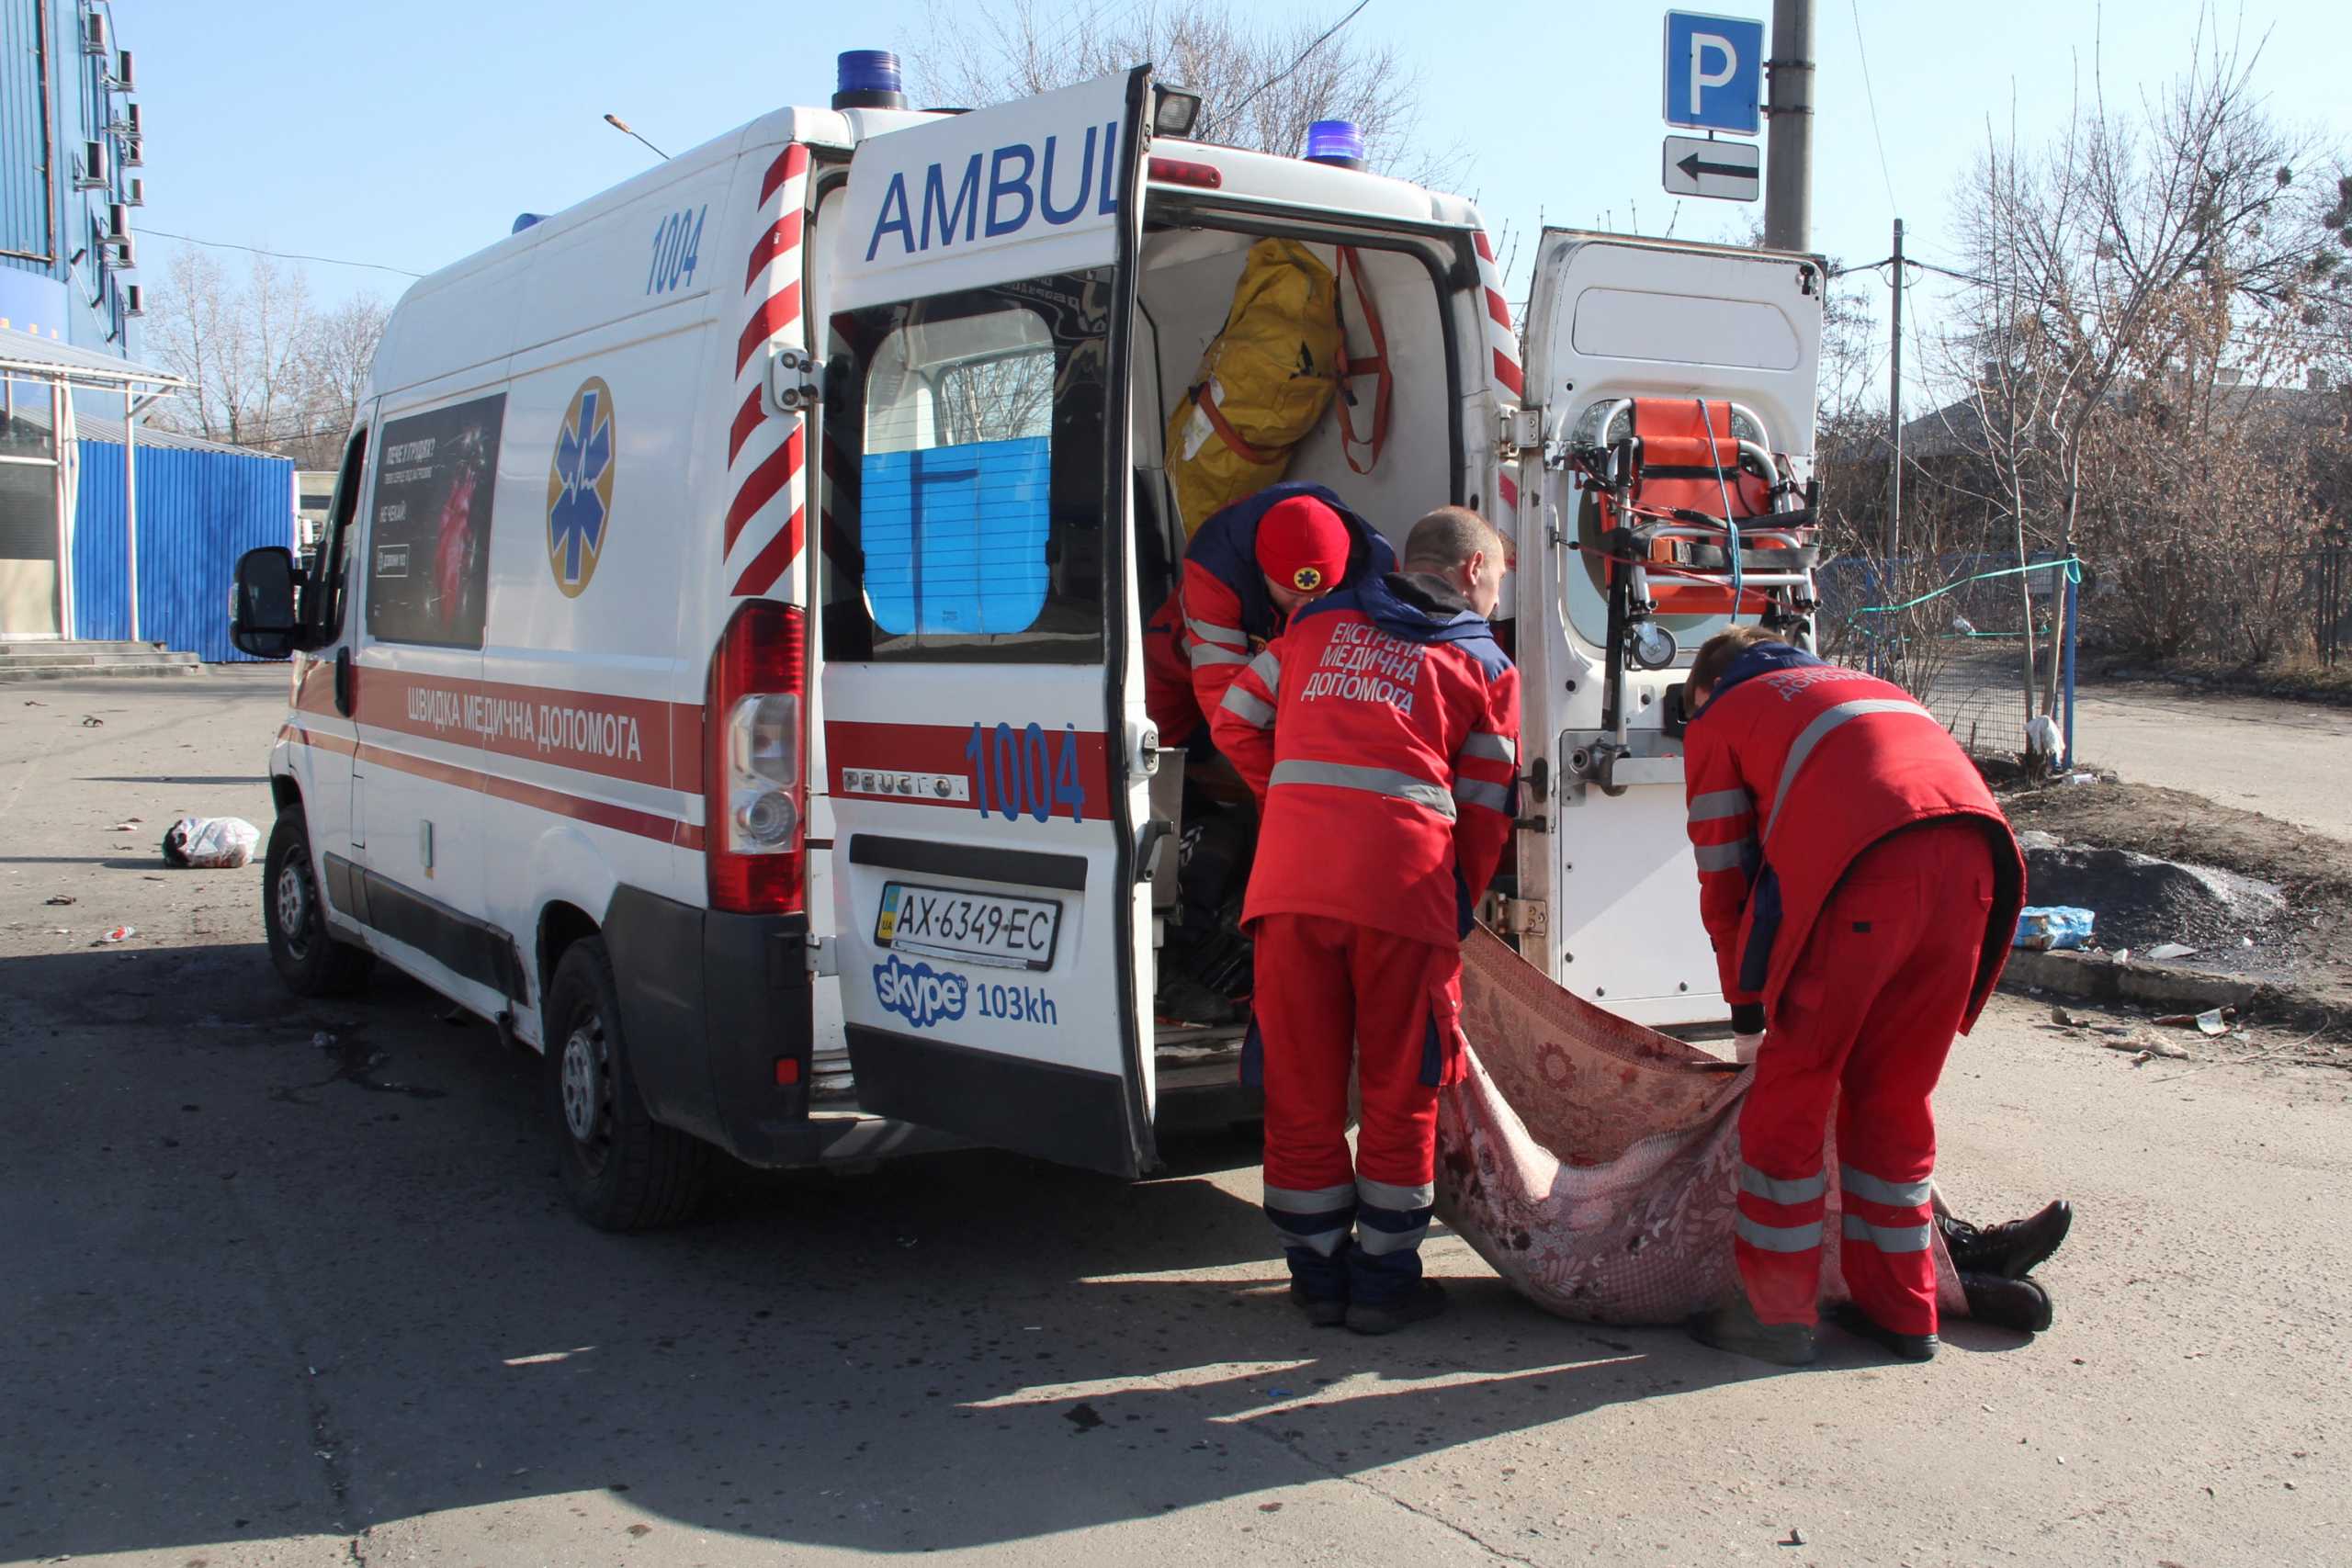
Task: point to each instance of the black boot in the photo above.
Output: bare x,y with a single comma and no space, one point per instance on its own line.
1734,1326
1323,1311
2021,1305
1423,1302
2011,1249
1908,1347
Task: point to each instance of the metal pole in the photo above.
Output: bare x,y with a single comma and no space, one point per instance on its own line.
1788,183
2073,594
131,502
1894,416
58,394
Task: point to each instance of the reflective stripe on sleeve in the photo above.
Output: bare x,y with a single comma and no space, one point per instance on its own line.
1717,804
1373,781
1494,747
1209,631
1269,669
1778,1238
1779,1189
1900,1194
1886,1238
1210,653
1248,706
1823,723
1478,792
1734,856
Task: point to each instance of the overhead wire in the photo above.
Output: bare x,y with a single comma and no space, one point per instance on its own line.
280,255
1320,39
1870,96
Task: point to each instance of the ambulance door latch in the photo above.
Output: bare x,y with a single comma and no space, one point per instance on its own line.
824,954
794,380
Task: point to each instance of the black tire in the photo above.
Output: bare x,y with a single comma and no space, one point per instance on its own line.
310,959
623,1171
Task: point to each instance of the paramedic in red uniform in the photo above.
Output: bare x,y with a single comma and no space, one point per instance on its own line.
1246,572
1861,890
1382,733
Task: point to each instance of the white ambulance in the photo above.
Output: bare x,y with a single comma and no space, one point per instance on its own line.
723,667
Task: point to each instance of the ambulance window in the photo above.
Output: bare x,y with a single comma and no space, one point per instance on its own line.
976,500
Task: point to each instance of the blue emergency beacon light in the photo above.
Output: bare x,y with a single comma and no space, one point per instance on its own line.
1335,142
867,79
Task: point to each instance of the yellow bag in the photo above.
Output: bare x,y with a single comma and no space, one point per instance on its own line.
1262,385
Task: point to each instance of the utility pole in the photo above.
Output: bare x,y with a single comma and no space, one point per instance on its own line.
1788,183
1895,422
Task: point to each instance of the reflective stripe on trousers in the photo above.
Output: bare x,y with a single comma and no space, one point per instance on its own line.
1391,1218
1317,1221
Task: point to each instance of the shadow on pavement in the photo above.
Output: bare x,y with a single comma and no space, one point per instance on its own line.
265,1287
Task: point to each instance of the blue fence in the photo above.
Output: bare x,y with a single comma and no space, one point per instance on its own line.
199,511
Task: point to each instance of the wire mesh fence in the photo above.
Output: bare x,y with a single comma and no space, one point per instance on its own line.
1952,629
2328,576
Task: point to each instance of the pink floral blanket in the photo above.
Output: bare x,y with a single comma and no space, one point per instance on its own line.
1594,1162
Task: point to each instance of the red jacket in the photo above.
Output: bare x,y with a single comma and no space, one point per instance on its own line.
1381,733
1793,768
1221,614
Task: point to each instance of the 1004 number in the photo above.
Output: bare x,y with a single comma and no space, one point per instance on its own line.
677,241
1025,770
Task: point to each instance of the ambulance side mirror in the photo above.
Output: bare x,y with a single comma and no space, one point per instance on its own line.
264,618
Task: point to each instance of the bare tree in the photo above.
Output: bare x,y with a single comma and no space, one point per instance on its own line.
265,369
1261,83
2144,248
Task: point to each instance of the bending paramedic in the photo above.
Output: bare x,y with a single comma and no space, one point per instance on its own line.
1382,733
1861,888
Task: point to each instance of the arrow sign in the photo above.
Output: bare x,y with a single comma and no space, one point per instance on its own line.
1729,171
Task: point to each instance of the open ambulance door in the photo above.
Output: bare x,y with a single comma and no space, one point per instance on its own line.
986,751
1621,330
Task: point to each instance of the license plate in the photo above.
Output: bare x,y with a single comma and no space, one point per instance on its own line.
980,928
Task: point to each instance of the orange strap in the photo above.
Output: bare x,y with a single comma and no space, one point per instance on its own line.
1225,431
1351,265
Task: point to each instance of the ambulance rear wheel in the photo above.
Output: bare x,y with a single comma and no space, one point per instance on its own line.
309,959
623,1171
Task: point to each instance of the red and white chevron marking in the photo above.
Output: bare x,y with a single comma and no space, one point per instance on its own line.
1510,383
767,491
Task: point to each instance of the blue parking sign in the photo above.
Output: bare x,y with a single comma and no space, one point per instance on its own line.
1715,72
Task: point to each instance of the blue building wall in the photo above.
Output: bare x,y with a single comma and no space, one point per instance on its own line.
198,513
44,221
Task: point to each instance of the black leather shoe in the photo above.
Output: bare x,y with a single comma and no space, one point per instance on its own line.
1908,1347
1323,1311
2021,1305
1734,1327
1425,1300
2010,1249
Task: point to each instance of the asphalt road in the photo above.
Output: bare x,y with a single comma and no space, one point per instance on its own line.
266,1302
2286,759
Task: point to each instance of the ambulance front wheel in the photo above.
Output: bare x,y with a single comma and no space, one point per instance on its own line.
623,1171
309,959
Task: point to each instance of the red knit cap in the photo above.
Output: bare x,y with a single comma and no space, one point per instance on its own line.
1303,544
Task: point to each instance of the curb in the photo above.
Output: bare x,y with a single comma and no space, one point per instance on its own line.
2097,977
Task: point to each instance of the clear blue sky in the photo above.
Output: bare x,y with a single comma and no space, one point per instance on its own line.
411,131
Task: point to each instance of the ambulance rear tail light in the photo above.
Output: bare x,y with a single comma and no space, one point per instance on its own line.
755,791
1183,171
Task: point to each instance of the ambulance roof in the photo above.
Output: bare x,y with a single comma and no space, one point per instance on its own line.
1257,178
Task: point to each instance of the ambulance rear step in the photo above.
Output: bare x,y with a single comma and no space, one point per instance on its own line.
1188,1057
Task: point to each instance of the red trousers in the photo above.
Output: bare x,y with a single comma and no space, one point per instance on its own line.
1330,993
1865,1020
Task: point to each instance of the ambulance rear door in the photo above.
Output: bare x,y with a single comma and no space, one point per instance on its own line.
1612,318
986,752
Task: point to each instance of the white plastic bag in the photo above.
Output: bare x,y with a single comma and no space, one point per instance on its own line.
210,843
